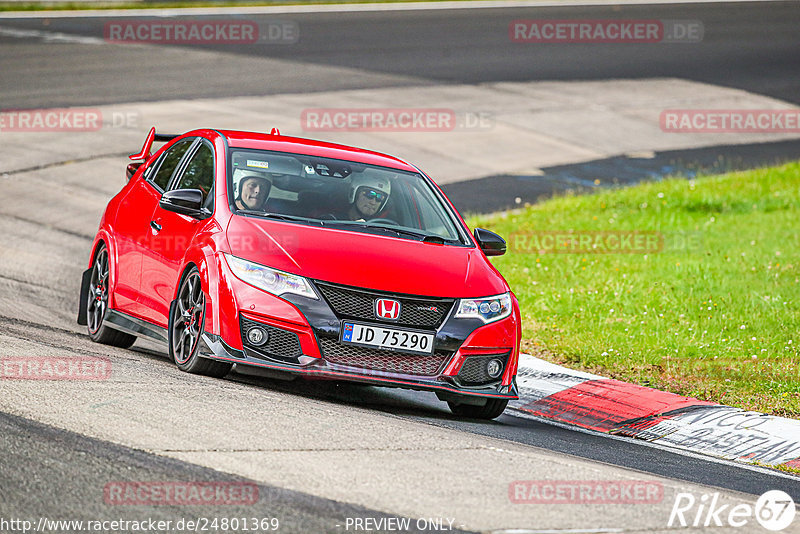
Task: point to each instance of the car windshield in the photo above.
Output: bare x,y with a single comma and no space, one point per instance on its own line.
339,194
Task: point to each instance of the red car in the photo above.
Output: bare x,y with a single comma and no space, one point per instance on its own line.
303,257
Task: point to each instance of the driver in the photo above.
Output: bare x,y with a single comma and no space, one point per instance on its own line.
368,196
253,192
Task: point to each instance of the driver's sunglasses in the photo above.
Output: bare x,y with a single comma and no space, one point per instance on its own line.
373,194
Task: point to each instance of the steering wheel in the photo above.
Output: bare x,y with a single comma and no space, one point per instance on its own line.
385,221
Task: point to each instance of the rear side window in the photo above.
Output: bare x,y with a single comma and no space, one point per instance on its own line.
170,160
199,172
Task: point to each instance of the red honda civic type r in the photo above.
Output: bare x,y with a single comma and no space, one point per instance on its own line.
303,257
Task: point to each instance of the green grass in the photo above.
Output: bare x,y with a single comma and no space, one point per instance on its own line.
714,315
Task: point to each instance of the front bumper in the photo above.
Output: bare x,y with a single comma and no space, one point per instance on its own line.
214,347
304,339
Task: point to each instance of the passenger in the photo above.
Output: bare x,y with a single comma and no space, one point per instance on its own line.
253,192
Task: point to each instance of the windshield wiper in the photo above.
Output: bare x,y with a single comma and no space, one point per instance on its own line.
279,216
426,238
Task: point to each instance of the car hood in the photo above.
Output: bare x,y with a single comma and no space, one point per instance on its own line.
365,260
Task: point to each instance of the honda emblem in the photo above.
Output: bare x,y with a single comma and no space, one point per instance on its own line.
387,309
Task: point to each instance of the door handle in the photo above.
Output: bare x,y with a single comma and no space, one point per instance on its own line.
155,226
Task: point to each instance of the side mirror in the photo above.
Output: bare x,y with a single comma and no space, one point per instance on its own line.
184,201
131,170
491,244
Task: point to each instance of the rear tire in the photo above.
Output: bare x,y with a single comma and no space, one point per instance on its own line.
97,305
492,409
186,321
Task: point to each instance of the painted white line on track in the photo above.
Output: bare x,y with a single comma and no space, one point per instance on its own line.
345,8
49,37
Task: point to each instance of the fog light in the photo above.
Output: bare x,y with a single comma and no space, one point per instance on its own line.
494,368
257,336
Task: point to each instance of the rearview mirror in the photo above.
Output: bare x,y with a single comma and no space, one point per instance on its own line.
184,201
491,244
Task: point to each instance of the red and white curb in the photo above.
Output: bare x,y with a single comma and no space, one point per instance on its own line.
596,403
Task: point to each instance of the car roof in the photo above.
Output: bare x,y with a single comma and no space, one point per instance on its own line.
311,147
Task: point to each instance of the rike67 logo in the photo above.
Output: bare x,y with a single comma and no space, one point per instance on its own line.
774,511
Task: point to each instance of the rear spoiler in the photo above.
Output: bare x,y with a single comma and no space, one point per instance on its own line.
145,152
148,142
166,137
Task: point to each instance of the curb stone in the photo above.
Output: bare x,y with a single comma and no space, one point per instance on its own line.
597,403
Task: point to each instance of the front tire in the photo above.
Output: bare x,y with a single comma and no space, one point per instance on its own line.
186,321
97,305
492,409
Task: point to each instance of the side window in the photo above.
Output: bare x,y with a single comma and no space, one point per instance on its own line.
199,174
169,161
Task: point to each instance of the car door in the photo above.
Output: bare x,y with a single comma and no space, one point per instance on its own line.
172,233
133,225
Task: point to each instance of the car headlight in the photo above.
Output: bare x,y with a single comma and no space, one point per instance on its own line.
487,309
270,280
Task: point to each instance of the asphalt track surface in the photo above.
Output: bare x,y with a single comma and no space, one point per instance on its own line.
52,473
590,445
749,46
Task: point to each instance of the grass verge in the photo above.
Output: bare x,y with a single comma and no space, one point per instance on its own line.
698,294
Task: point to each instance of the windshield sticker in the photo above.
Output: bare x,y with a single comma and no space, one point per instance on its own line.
258,164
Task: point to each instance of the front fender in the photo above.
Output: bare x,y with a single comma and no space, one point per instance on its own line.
204,257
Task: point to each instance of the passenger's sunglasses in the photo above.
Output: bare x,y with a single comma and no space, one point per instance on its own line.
372,194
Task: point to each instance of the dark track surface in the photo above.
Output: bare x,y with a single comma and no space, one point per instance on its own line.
61,475
427,408
496,193
751,46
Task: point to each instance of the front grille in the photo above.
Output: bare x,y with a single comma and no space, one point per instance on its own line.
473,370
415,312
281,344
383,360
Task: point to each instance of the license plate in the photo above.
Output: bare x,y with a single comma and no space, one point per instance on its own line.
387,338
